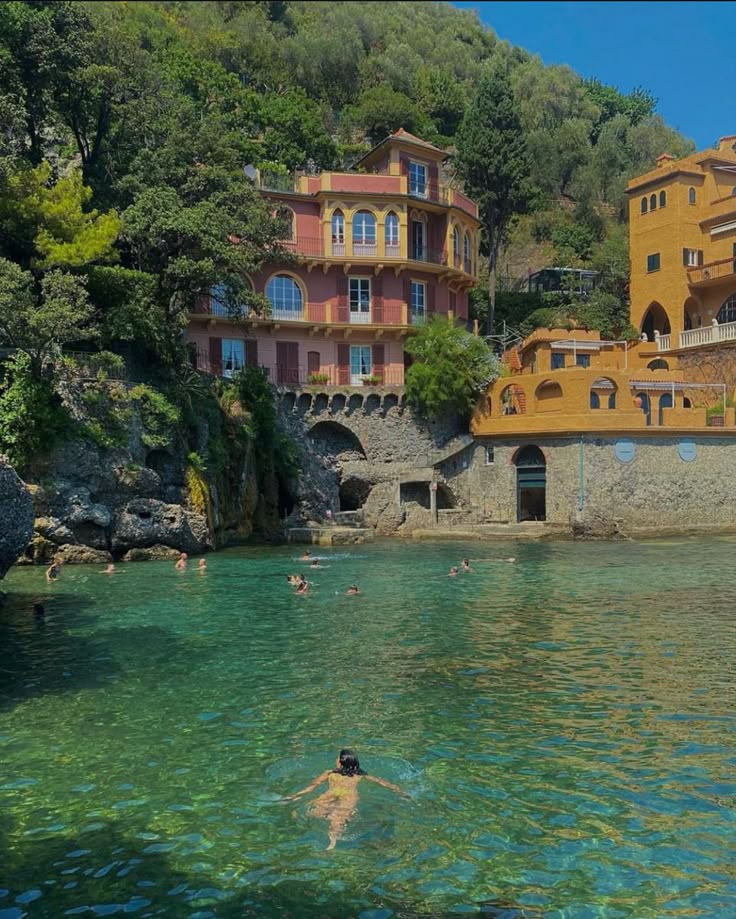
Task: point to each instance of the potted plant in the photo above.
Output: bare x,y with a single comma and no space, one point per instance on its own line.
375,379
319,378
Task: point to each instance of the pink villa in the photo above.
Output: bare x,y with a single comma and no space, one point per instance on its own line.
379,251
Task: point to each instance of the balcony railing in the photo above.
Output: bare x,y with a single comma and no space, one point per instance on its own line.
431,191
365,250
708,335
713,271
282,375
312,247
427,255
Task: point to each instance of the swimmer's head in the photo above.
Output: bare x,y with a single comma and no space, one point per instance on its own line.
347,763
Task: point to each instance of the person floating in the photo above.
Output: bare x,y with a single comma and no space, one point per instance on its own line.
452,572
306,556
202,564
352,590
465,565
293,580
181,562
303,585
109,570
337,804
54,569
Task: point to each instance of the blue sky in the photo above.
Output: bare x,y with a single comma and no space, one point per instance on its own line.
683,53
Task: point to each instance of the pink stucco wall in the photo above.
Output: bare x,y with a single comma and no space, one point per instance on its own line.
366,183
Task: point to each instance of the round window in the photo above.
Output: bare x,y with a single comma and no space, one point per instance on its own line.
624,451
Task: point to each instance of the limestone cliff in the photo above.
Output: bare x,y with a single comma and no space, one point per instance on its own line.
16,517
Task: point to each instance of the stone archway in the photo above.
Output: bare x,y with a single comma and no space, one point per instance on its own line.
334,439
531,484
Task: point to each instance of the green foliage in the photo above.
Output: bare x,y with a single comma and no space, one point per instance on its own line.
158,416
634,107
107,413
255,394
32,417
603,311
292,132
546,317
450,367
38,317
381,110
573,244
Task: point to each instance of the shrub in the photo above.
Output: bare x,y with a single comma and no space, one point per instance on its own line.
158,415
450,368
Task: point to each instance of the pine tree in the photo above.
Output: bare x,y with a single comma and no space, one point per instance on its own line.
492,161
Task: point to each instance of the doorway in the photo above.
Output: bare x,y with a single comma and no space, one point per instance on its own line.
531,484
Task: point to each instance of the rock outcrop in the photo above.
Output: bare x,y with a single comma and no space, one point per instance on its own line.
16,516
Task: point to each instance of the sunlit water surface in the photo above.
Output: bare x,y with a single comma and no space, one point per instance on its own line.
564,726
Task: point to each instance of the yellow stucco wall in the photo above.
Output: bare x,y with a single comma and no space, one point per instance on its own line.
681,224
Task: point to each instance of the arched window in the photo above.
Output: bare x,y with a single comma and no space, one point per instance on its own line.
727,312
456,248
658,363
603,388
392,234
691,195
466,255
595,402
662,198
644,204
364,233
652,202
285,297
338,230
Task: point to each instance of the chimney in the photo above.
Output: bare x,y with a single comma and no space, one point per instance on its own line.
663,159
728,142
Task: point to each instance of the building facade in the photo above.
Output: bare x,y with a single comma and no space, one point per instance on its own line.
682,231
379,250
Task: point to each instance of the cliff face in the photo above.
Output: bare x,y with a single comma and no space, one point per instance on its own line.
16,517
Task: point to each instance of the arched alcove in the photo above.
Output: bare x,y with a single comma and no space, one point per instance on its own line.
655,320
333,439
531,484
659,363
548,396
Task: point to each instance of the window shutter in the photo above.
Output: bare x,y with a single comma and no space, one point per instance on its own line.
378,361
343,365
313,362
342,298
281,361
430,297
684,257
403,165
433,176
700,258
377,291
407,291
216,356
251,352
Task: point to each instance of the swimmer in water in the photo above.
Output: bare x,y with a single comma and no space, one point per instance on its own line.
109,570
452,572
54,569
352,590
337,804
202,564
465,565
306,556
303,585
181,562
293,580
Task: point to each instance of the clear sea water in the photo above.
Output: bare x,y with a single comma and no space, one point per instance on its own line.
564,726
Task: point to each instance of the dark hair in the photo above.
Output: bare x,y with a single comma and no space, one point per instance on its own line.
349,764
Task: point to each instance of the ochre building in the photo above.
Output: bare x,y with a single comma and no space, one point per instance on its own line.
682,232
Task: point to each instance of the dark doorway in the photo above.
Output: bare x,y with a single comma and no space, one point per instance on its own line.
531,484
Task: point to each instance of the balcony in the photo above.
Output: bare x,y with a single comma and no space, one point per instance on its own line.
712,273
339,313
697,338
310,247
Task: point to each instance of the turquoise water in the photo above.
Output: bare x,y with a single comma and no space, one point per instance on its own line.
564,726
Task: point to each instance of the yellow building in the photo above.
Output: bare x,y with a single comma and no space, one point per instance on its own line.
682,231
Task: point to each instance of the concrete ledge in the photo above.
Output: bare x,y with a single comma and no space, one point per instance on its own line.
494,531
329,536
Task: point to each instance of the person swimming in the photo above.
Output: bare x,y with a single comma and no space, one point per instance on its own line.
337,804
316,564
293,580
452,572
54,569
303,585
465,565
306,555
352,590
109,570
181,562
202,564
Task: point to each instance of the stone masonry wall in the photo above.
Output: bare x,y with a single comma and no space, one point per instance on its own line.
656,490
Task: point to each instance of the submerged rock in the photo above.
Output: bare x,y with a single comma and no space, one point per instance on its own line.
16,516
82,555
144,522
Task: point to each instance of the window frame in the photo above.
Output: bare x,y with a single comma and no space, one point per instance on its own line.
362,225
360,302
557,360
644,205
392,223
418,311
691,195
414,185
663,198
490,456
289,305
654,255
337,230
235,366
653,201
582,360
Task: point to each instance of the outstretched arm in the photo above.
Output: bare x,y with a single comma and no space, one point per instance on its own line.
322,777
385,784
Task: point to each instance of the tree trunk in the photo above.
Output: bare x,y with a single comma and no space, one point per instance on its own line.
491,316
